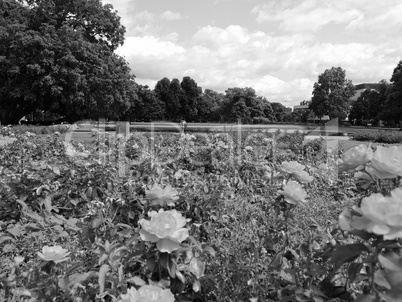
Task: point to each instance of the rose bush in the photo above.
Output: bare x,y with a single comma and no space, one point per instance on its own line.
166,228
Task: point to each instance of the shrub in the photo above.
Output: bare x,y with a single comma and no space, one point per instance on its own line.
386,137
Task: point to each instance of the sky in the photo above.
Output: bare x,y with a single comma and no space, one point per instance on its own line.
277,47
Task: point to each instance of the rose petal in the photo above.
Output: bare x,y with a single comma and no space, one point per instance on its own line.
146,236
166,245
180,235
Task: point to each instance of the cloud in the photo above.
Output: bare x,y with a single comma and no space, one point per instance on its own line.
277,67
313,15
171,16
306,15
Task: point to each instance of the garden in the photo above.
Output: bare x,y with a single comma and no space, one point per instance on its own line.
218,216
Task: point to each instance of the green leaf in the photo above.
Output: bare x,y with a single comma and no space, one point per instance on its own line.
151,263
367,298
102,276
181,277
197,267
317,270
5,238
137,281
210,250
380,279
288,274
394,278
354,269
56,170
15,231
394,295
196,286
347,253
73,279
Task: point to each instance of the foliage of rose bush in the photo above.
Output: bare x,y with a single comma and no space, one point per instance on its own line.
203,217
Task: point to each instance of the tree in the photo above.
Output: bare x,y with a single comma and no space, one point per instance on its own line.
176,99
393,106
147,108
59,56
244,104
191,96
278,111
209,106
331,94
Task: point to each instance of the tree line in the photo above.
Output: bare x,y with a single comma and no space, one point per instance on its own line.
332,95
59,56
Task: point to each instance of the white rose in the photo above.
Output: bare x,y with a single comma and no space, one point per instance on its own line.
147,293
355,157
54,253
293,192
381,215
165,228
387,161
291,167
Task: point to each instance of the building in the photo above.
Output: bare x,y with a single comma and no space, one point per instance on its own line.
360,88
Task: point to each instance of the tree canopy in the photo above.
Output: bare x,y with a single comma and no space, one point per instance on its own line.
331,94
59,55
393,104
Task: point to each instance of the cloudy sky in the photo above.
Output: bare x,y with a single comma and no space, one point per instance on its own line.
277,47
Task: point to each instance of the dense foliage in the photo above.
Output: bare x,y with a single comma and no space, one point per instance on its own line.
203,217
59,56
331,94
387,137
382,103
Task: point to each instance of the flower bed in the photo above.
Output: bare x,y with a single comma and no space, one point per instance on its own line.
201,217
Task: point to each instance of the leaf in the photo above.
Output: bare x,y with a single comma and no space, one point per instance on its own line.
210,250
380,280
276,263
164,260
73,279
354,269
15,231
48,204
196,286
5,238
74,201
151,263
137,281
103,258
367,298
394,278
56,170
394,295
195,242
102,276
269,243
197,267
180,276
288,274
347,253
391,261
317,270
